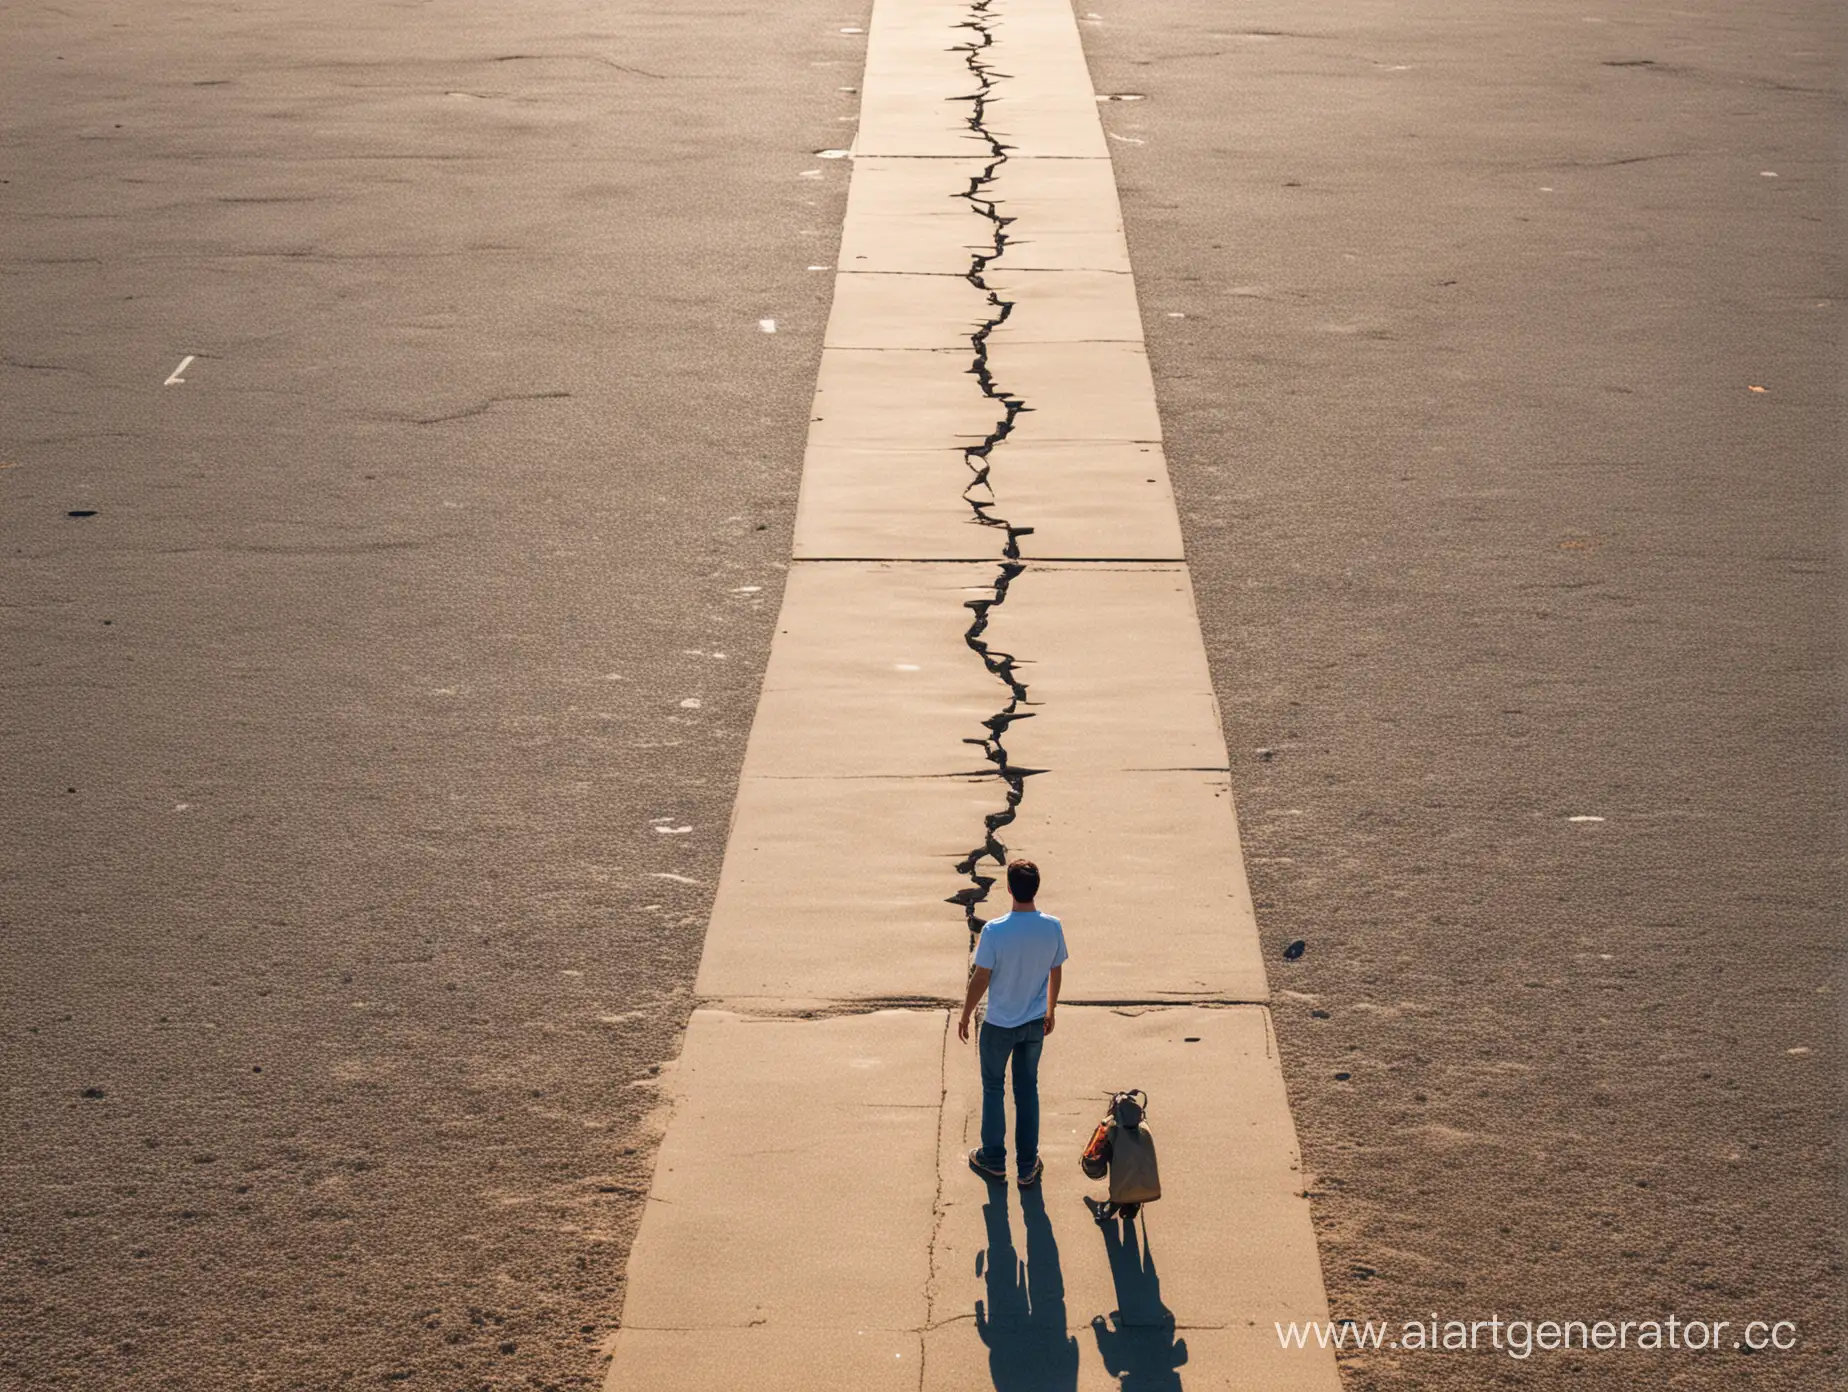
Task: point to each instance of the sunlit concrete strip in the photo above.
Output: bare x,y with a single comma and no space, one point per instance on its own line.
908,105
812,1224
858,757
1193,1300
787,1238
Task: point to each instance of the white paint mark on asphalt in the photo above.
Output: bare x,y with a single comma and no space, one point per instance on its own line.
1176,314
747,589
1799,1052
852,29
767,325
176,380
181,806
1126,139
809,174
691,703
831,154
677,879
821,268
673,831
1767,173
1584,819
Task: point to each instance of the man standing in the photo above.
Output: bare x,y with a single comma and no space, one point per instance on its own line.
1018,961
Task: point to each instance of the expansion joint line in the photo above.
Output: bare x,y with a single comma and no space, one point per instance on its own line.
979,493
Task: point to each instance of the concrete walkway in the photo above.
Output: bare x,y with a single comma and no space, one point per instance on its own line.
987,647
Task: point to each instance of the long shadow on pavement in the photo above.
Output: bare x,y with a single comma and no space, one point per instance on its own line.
1023,1319
1137,1343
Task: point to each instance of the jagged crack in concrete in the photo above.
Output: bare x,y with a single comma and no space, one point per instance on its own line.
979,493
797,1018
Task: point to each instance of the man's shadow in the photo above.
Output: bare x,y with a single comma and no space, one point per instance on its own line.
1137,1343
1023,1319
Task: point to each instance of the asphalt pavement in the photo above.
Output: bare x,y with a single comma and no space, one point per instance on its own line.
370,741
1499,358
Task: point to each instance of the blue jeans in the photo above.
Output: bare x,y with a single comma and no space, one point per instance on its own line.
1022,1046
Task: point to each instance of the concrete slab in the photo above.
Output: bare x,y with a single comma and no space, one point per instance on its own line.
811,907
903,215
895,400
1066,213
1115,671
883,310
1024,1280
1145,870
763,1112
919,119
913,75
1109,501
774,1360
1106,1357
1046,106
1078,391
1065,307
729,1270
1046,127
1045,51
835,889
889,504
870,674
899,24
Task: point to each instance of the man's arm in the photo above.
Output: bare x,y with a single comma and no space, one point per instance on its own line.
1052,994
978,983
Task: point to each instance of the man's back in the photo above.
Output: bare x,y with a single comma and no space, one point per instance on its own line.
1020,949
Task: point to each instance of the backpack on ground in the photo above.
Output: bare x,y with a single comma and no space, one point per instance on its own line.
1123,1147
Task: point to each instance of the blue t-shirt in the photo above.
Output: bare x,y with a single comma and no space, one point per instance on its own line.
1020,949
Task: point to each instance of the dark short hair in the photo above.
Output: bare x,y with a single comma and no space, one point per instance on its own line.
1022,880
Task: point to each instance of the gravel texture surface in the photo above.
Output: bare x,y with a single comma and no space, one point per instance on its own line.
370,749
1523,603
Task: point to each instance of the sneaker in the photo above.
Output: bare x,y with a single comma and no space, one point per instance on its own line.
1100,1209
1031,1176
985,1171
